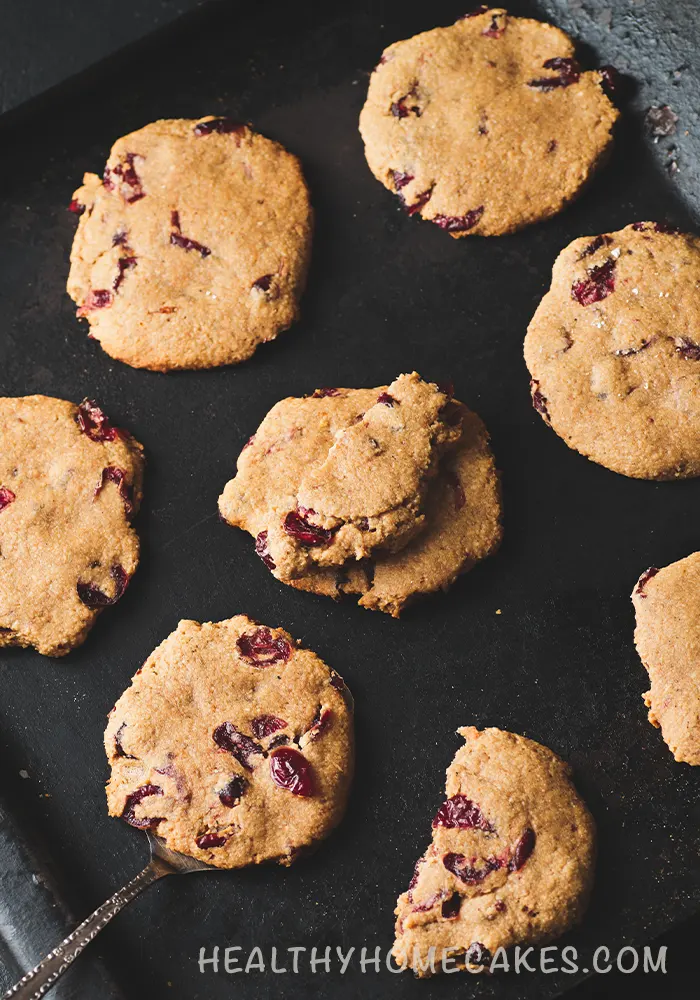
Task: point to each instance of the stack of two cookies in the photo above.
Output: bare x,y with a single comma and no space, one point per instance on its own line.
388,493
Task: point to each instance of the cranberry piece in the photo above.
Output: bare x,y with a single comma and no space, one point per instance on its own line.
262,550
459,223
568,72
320,393
386,399
224,126
263,284
113,474
76,207
467,872
321,723
178,240
644,579
400,180
127,178
93,421
400,109
461,813
596,244
499,906
291,770
236,743
523,850
538,400
145,822
261,649
92,597
495,28
452,906
429,903
266,725
420,201
597,286
97,298
231,793
123,264
688,349
477,954
118,746
210,840
297,525
6,497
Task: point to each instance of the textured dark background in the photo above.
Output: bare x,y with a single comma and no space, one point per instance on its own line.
386,294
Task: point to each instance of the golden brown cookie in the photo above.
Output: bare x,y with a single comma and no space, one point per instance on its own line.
667,636
487,125
458,524
70,483
511,859
233,744
193,247
614,353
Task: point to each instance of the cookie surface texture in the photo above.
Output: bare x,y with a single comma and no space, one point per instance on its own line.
511,860
232,743
487,125
70,483
667,636
614,353
193,247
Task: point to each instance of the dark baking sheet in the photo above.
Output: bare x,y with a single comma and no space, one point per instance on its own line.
386,294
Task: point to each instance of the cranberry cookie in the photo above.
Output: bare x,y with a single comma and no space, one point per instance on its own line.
193,247
487,125
614,353
456,521
70,483
511,859
232,743
667,603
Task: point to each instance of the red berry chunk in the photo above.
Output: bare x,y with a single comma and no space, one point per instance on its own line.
461,813
266,725
6,497
233,741
597,286
93,598
93,421
291,770
262,649
297,525
145,822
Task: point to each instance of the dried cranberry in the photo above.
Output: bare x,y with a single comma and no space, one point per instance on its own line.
233,741
459,223
128,178
523,850
400,109
644,579
420,201
94,422
688,349
452,906
224,126
597,286
178,240
596,244
291,770
320,724
467,872
496,27
297,525
430,902
386,399
400,180
210,840
266,725
113,474
231,793
118,746
461,813
262,550
146,822
123,264
499,906
76,207
327,391
568,70
92,597
6,497
538,400
97,298
263,284
262,649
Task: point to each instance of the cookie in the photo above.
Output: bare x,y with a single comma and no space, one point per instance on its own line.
193,247
614,353
460,516
70,484
365,487
233,744
511,859
486,126
462,527
667,605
